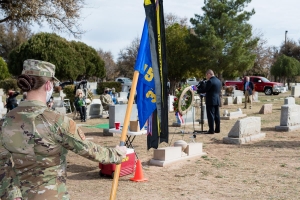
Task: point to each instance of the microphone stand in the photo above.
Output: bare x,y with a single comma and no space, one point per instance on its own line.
201,116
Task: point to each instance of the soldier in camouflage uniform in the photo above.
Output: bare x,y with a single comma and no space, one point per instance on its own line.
106,99
34,142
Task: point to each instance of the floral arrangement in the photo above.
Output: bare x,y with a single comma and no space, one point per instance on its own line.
187,98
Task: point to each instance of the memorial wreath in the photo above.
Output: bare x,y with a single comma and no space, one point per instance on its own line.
183,100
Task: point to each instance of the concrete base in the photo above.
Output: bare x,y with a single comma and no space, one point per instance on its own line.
163,163
107,133
167,153
287,128
230,140
233,117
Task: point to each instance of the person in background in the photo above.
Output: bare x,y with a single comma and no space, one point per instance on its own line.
248,89
106,99
113,95
35,140
11,100
168,87
212,101
80,104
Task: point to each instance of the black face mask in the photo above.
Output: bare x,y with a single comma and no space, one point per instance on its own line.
105,92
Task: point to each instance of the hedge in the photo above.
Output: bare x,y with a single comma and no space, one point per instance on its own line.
69,91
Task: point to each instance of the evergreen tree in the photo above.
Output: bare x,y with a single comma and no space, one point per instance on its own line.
3,70
285,68
72,59
222,38
177,52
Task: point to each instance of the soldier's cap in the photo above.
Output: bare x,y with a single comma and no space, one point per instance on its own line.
39,68
106,89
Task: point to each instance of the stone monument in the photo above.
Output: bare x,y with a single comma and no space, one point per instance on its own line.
233,115
290,116
168,155
266,109
244,131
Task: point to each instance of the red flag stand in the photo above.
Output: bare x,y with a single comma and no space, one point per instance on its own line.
138,176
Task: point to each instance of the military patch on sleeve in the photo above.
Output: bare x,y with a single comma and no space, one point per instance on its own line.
81,134
72,127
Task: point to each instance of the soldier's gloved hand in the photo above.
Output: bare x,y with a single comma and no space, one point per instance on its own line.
122,150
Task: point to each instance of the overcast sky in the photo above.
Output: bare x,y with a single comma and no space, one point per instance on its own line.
112,24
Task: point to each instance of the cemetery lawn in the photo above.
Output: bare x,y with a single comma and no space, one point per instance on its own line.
267,169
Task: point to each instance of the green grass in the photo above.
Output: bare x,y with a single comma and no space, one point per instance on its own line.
102,126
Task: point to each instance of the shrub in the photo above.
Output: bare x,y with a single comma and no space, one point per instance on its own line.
69,91
9,84
101,86
229,90
3,70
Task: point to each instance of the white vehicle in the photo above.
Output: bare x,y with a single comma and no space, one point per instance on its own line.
192,81
124,81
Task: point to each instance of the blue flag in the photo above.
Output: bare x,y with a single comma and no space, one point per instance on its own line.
146,97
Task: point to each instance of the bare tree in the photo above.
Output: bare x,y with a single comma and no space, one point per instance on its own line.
11,37
264,57
127,58
171,19
110,65
61,15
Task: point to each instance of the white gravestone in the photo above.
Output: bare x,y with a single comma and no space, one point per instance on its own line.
170,103
117,114
237,93
289,101
1,103
238,100
296,91
266,109
122,99
244,131
94,109
2,109
255,97
92,86
228,101
233,115
290,116
169,155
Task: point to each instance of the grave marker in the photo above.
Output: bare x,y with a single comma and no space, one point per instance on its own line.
244,131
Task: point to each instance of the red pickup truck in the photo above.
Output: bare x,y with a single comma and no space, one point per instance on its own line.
261,84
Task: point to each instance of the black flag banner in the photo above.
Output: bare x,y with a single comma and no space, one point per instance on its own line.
159,119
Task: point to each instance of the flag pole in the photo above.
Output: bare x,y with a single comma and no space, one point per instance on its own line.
124,133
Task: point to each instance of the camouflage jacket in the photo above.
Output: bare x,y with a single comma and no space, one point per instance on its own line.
34,142
106,101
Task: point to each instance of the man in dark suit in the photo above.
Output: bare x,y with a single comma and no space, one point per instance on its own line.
248,89
212,101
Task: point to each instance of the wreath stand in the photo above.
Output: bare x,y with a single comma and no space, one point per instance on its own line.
183,109
201,117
